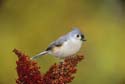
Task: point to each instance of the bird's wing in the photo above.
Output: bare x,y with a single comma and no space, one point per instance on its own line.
59,42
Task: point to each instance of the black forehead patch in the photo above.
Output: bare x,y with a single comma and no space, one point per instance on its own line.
82,36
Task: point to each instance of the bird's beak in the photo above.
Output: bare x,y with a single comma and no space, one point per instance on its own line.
83,39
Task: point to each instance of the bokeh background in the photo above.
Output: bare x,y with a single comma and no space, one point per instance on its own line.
30,25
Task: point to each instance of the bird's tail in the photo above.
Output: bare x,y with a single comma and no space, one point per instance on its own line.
39,55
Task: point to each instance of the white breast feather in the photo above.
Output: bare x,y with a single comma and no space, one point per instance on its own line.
69,48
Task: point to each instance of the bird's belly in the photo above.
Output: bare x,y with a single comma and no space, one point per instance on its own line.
67,49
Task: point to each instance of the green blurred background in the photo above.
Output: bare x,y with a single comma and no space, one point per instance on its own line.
30,25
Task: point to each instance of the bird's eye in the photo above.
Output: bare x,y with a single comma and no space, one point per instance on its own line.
77,35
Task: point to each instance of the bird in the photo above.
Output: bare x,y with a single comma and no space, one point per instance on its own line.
65,46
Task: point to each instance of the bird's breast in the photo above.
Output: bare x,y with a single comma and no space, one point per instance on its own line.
68,48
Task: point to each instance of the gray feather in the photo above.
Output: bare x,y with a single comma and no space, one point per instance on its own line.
57,43
39,55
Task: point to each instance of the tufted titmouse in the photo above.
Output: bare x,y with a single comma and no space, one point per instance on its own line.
66,45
